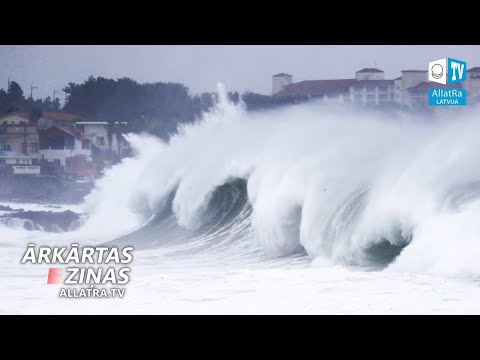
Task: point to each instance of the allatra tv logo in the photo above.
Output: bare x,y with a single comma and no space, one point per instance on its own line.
447,71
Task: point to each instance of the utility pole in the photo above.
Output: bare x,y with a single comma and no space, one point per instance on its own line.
25,149
8,87
31,90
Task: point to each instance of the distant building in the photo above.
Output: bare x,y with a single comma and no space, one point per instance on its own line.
370,88
15,118
372,92
321,89
98,134
472,85
369,74
398,89
15,163
410,79
57,118
19,134
59,143
279,81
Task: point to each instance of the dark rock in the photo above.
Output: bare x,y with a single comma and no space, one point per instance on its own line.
48,220
8,208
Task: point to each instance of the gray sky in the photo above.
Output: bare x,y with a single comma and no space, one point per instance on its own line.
200,67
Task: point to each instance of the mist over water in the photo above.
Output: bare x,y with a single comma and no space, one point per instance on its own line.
335,185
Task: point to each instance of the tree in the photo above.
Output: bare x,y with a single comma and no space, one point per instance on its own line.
35,114
56,104
255,101
154,107
234,97
11,100
15,93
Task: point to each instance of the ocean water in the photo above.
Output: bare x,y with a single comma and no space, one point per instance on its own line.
308,209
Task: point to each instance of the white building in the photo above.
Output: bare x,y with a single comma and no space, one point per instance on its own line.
21,164
372,92
370,88
279,81
409,80
97,133
58,143
18,134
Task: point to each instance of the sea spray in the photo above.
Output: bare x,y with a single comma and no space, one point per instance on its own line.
349,185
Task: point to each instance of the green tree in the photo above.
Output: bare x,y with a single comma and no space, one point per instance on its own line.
15,92
154,107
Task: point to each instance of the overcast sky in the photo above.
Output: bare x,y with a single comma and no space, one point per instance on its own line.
200,67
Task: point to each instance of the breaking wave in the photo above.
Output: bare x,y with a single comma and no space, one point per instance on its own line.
339,185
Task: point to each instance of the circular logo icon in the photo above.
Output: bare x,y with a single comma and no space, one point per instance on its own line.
437,71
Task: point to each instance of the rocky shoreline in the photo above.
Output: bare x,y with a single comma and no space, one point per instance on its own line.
43,190
49,221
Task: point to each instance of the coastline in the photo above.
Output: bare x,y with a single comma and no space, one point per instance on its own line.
44,190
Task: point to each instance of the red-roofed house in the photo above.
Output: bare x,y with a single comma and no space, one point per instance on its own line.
57,144
57,118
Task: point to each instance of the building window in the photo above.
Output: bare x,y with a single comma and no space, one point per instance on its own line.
85,144
24,148
34,148
5,123
100,140
69,143
2,161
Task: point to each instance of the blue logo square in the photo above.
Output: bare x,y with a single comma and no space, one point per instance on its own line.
447,97
457,71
